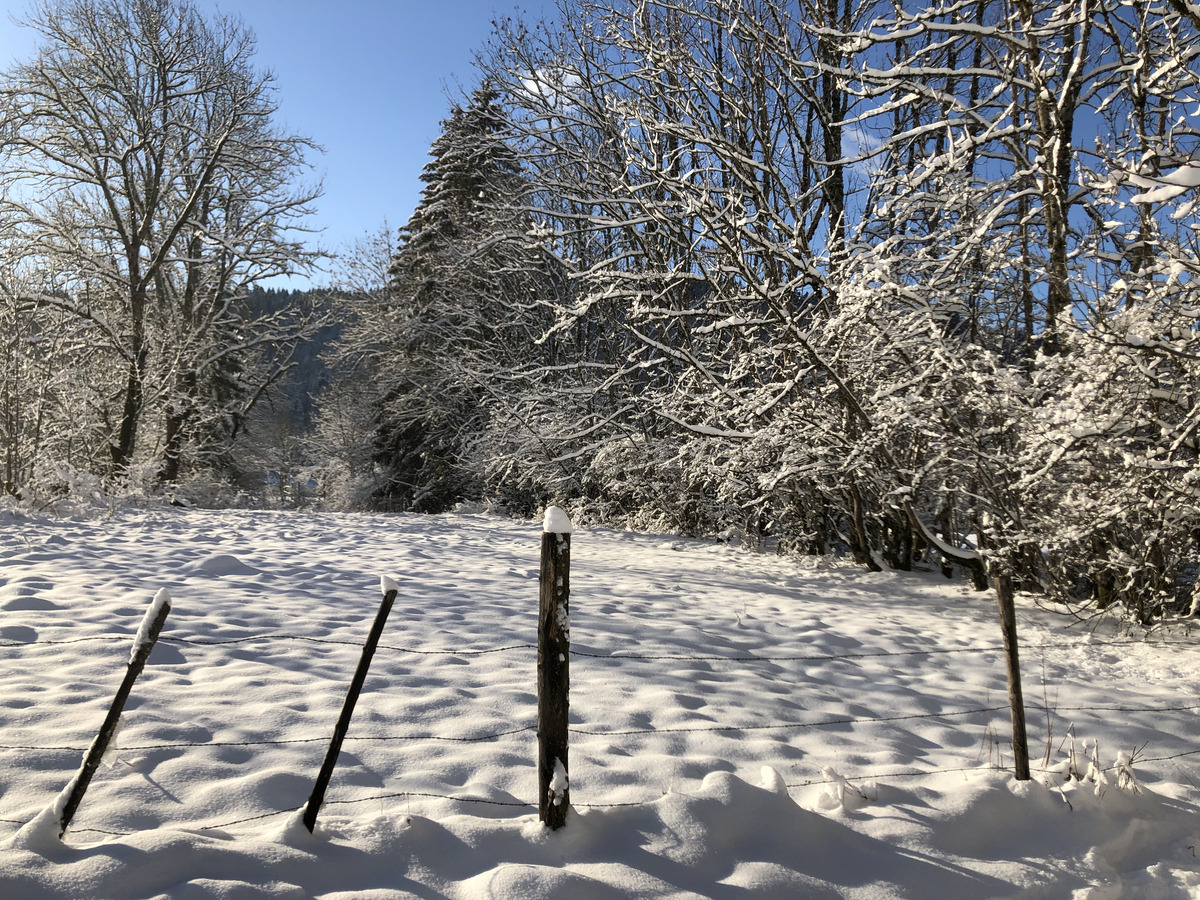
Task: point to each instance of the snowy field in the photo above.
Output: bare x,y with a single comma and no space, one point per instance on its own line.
742,725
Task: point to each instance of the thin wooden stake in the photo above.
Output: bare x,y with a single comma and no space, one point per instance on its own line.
313,806
1016,700
554,656
1008,629
152,624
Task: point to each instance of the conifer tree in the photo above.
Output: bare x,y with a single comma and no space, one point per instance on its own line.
458,279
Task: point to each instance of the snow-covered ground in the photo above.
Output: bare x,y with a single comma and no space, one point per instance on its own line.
742,725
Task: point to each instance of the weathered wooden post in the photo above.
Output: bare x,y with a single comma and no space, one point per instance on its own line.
1006,603
554,655
317,797
152,624
1016,701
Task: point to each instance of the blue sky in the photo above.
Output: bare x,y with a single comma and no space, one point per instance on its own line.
366,79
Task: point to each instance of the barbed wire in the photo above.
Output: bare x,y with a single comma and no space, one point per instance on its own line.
876,776
683,729
261,638
1057,709
101,831
619,656
643,657
519,804
916,773
78,640
931,651
366,738
590,732
313,640
391,795
267,815
1147,759
429,795
824,723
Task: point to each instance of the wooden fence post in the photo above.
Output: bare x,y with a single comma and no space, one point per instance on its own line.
554,656
1016,700
152,624
317,797
1006,603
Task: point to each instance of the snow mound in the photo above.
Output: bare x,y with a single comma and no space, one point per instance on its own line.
726,838
556,521
224,564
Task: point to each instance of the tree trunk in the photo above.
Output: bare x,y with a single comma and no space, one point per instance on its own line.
969,559
131,414
173,445
179,411
860,547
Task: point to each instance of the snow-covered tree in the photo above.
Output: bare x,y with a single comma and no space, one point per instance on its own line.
880,275
701,169
49,416
994,215
463,283
138,153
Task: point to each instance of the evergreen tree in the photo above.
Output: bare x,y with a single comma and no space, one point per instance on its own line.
457,283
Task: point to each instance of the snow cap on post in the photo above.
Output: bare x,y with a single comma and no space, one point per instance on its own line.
161,599
556,521
386,585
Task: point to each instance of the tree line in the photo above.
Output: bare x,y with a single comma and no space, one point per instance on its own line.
883,276
886,276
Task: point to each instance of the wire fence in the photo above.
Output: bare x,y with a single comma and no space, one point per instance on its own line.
620,656
591,730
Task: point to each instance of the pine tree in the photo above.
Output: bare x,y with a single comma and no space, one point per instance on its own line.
459,275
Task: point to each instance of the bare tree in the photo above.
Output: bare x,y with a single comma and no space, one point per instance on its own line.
830,254
137,149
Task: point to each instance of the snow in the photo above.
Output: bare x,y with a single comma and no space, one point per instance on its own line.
1168,186
40,834
144,637
559,783
387,585
742,725
556,521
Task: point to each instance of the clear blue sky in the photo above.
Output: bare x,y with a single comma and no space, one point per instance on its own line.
366,79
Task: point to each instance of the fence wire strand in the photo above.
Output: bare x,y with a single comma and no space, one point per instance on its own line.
824,723
262,638
590,732
614,657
